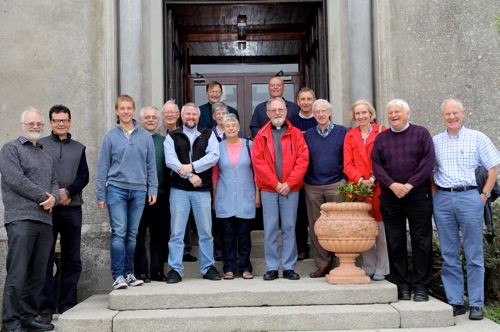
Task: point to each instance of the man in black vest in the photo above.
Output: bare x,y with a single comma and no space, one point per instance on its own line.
72,172
191,154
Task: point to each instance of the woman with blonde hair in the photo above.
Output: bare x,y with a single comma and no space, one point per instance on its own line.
358,145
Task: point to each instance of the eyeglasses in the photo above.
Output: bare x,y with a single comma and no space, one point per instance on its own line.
58,121
33,124
151,117
215,92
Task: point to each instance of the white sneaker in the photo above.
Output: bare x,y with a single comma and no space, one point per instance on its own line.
132,281
120,283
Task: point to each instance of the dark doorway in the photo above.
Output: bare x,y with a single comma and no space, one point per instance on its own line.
257,33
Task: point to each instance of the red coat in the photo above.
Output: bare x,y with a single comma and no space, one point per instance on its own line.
357,162
295,158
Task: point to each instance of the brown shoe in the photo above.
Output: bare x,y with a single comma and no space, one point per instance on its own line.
320,272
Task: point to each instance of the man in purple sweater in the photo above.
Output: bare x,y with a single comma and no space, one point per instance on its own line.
403,160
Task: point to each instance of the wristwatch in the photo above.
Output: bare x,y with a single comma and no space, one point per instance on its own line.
487,194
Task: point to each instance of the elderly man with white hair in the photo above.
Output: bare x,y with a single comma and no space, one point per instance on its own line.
403,160
29,192
280,158
459,206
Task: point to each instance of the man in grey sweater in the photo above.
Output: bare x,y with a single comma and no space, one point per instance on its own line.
29,192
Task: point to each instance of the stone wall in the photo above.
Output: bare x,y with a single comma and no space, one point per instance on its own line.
427,51
63,52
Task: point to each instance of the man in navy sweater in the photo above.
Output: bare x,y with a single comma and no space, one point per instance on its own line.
259,117
324,175
403,161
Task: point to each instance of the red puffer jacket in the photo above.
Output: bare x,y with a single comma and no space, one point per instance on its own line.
295,158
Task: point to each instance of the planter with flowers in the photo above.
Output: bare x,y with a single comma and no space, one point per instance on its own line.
347,229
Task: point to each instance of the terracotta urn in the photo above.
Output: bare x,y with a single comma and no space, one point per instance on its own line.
347,229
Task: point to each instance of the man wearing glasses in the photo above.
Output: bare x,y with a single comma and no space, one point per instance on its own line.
214,94
29,193
70,164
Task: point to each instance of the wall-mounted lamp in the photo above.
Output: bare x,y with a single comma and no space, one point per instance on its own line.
242,45
241,25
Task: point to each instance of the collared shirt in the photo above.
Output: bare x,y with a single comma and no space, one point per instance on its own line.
327,130
458,157
303,116
398,131
23,140
209,160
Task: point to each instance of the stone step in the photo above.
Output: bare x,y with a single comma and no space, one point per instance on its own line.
200,293
279,318
94,315
304,267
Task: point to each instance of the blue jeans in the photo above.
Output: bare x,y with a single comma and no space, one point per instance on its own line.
461,213
276,207
125,209
181,202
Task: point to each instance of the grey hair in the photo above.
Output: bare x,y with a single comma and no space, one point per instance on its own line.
457,102
170,101
274,99
190,104
323,102
30,109
141,113
399,102
230,118
218,106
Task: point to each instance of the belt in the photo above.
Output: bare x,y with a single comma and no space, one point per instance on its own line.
457,189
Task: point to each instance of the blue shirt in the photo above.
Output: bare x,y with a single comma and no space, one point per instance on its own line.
200,165
458,157
327,130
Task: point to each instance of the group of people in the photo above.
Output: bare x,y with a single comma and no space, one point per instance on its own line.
153,173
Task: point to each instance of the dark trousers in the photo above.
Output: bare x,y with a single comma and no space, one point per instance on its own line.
301,232
29,244
417,208
67,221
218,235
156,219
236,239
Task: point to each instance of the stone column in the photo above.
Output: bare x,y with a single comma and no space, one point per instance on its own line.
360,49
130,49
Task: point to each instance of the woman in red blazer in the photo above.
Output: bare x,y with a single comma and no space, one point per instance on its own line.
358,147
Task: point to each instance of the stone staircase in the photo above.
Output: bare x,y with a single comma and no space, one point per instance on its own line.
196,304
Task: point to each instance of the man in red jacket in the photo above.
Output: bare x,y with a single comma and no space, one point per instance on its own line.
280,158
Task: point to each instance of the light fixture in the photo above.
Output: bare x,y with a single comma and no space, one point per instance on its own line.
241,25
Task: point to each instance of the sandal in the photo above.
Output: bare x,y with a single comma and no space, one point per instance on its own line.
229,275
247,275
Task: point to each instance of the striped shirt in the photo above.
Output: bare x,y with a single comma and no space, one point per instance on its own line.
458,157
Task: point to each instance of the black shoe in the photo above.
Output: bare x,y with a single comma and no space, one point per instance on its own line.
37,326
15,329
271,275
458,309
290,275
212,274
189,258
302,255
476,313
218,258
144,277
158,277
404,295
420,296
45,317
173,277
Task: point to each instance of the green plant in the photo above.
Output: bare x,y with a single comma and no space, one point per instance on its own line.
352,192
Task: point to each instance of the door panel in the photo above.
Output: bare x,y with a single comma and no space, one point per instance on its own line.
242,91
